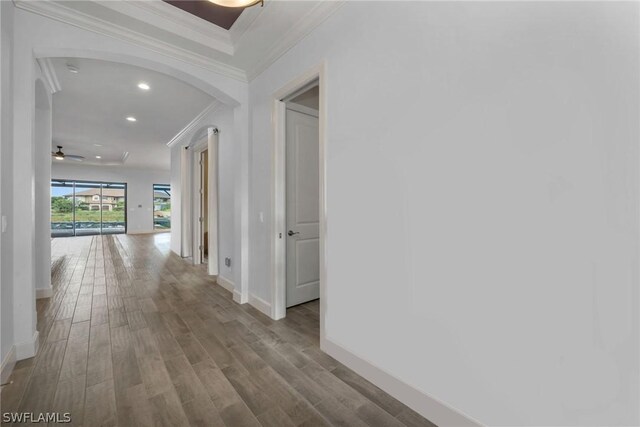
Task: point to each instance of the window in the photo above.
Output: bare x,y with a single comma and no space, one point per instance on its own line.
161,207
80,208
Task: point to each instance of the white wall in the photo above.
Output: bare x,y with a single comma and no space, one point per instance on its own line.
42,188
139,188
482,199
228,164
176,198
6,171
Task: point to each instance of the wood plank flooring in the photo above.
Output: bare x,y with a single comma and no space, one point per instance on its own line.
136,336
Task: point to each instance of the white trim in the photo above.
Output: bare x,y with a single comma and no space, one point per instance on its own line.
44,293
305,25
278,213
8,364
181,24
27,349
431,408
226,283
175,20
212,199
302,109
164,230
185,203
278,193
68,15
49,74
244,22
195,200
239,298
195,124
260,304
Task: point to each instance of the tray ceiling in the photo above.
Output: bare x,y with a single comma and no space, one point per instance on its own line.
223,17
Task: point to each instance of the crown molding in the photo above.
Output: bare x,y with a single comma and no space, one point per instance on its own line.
194,124
244,22
49,74
166,17
296,33
182,24
62,13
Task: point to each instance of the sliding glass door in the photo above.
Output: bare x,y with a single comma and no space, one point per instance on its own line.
161,207
87,218
62,209
83,208
114,219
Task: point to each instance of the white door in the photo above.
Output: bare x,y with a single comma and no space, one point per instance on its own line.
303,196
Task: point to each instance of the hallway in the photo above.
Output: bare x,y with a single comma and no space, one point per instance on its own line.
136,336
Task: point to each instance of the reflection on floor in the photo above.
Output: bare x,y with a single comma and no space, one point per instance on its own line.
136,336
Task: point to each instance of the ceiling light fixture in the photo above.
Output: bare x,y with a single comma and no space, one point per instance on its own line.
98,157
73,69
58,155
132,119
144,86
97,145
237,3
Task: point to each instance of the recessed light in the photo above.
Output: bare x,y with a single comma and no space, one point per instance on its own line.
97,145
73,69
98,157
144,86
132,119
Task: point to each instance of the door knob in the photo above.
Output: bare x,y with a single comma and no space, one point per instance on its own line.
291,232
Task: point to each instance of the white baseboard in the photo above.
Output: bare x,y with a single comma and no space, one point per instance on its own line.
239,298
27,349
226,283
44,293
429,407
260,304
148,231
7,365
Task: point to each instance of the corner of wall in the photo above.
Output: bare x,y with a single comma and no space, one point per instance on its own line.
436,411
8,364
27,349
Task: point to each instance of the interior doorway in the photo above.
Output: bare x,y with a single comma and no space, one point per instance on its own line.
204,200
302,197
298,187
204,207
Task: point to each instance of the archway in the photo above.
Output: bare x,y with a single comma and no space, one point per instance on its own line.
222,95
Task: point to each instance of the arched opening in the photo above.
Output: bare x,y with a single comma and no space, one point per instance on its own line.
223,95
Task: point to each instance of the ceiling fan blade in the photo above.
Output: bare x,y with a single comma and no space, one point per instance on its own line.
74,157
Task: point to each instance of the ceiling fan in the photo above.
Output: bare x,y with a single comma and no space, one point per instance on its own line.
59,155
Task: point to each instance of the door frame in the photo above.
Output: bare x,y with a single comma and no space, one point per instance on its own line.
196,148
196,199
278,192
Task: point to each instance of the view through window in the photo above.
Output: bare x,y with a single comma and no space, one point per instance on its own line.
161,206
83,208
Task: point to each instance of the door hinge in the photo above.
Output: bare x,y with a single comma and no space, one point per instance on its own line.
200,219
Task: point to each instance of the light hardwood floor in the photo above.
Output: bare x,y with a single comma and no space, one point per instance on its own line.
136,336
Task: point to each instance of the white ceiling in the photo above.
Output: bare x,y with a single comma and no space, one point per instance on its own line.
92,106
258,37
